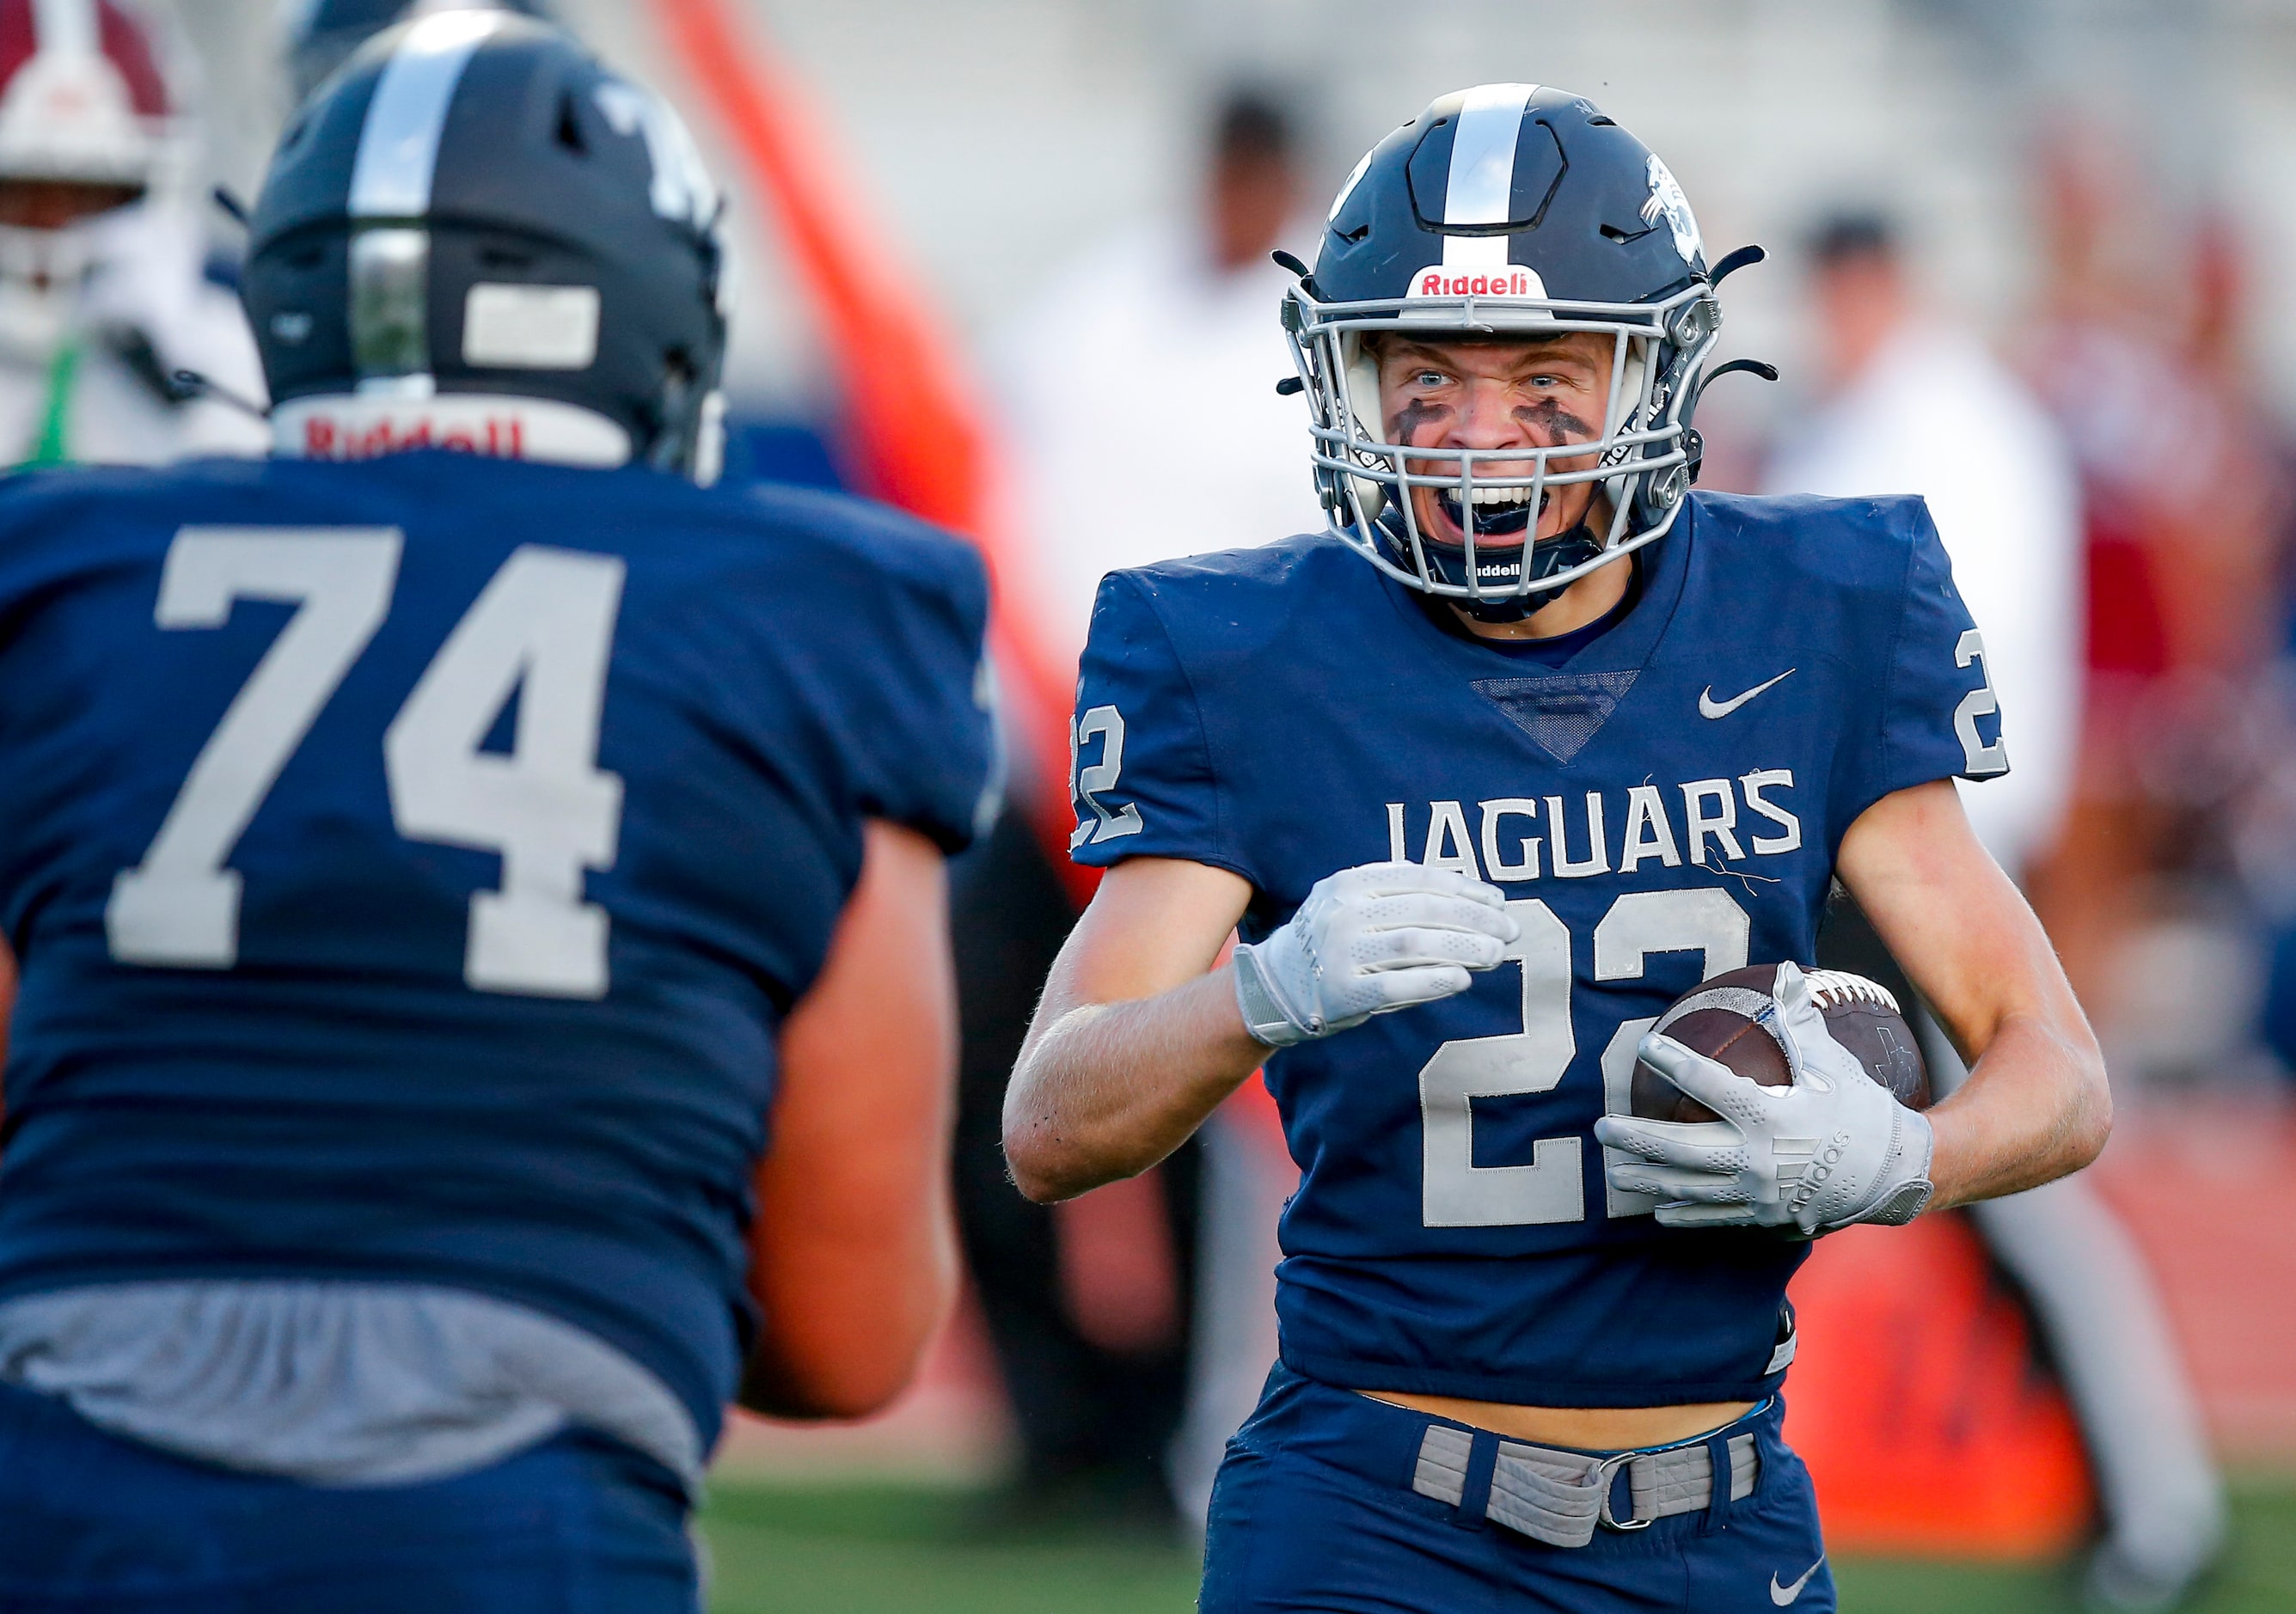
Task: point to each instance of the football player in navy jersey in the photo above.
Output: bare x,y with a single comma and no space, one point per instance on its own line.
1530,742
443,861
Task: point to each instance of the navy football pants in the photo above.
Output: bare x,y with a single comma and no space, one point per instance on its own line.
88,1522
1314,1510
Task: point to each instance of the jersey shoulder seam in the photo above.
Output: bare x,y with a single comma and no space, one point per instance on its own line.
1221,838
1883,747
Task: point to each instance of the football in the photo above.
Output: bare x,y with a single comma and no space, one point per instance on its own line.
1721,1019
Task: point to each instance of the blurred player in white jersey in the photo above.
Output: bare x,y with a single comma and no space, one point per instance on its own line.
1166,320
1913,403
104,297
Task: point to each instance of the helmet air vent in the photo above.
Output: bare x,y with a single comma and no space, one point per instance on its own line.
569,133
1443,179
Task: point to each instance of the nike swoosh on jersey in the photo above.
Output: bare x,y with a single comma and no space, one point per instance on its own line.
1708,707
1785,1596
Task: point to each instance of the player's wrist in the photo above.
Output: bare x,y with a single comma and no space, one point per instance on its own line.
1271,1022
1900,1188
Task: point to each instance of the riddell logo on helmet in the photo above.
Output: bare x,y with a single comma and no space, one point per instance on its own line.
502,426
1511,281
502,437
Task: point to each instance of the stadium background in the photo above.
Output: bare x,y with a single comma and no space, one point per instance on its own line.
910,173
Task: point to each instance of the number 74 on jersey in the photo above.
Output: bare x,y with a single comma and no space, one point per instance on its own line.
542,629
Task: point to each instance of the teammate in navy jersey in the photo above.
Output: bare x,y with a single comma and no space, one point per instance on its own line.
1572,739
436,881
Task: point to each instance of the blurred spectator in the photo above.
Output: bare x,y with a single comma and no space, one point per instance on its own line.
2136,356
1912,404
103,294
1139,400
1139,390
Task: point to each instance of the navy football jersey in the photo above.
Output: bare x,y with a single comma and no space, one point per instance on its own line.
1661,806
410,865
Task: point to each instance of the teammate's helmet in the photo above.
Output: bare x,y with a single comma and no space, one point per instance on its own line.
87,127
474,213
1504,209
321,34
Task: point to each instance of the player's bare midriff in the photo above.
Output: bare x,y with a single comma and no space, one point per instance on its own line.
1587,1429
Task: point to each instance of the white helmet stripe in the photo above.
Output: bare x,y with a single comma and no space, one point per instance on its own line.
399,147
65,28
1481,188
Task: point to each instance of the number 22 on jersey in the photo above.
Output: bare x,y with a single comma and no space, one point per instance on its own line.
542,629
1456,1192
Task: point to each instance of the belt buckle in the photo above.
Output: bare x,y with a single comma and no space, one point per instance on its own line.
1606,1475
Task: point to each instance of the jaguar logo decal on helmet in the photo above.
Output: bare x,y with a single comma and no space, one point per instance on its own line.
1667,201
682,188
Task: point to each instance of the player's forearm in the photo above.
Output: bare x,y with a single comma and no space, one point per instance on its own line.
853,1253
2035,1108
854,1259
1104,1091
848,1318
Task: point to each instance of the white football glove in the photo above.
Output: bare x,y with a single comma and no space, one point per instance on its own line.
1378,937
1834,1148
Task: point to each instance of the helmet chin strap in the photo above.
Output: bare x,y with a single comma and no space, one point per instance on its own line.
1548,556
1573,546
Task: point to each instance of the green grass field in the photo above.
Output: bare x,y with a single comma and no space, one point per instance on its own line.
886,1549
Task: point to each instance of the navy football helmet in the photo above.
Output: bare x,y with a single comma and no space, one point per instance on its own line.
321,34
477,233
1501,210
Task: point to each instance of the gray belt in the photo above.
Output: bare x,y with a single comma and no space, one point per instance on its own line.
1558,1497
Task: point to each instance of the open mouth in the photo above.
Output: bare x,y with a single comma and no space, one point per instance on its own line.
1500,512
